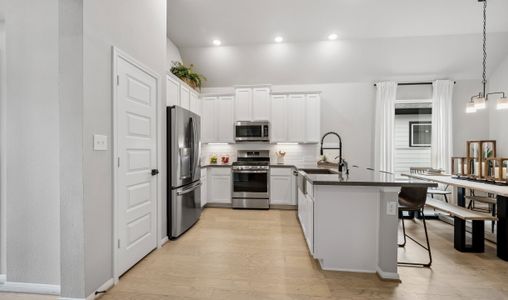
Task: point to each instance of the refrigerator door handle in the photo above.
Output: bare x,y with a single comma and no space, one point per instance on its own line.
186,191
195,149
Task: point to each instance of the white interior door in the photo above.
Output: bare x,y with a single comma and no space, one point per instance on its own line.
136,147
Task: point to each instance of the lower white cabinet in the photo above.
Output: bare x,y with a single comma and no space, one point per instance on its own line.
219,185
306,216
204,187
282,186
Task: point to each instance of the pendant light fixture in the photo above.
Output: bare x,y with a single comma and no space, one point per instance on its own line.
480,101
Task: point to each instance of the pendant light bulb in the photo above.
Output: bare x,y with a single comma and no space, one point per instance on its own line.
480,103
502,103
470,107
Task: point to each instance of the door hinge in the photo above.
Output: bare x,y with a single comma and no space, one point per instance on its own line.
118,243
117,79
118,162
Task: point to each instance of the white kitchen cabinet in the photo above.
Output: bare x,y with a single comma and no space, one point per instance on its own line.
204,187
219,180
261,104
172,91
184,96
313,119
195,106
279,123
296,118
243,102
252,104
217,119
306,215
209,128
282,186
225,114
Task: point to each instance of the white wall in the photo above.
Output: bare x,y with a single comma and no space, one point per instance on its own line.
32,141
173,53
499,118
139,29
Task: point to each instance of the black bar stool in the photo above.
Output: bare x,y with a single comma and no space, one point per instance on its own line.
412,199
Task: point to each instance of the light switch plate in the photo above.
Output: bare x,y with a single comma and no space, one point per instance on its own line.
100,142
391,208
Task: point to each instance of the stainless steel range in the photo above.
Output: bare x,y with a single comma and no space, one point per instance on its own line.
251,180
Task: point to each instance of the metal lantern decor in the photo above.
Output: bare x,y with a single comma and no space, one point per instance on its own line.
477,153
492,169
459,166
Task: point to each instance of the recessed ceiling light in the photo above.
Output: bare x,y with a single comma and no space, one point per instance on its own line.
217,42
333,36
279,39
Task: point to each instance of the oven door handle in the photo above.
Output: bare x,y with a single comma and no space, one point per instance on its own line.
249,172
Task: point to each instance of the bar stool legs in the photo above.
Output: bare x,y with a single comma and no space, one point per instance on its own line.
427,247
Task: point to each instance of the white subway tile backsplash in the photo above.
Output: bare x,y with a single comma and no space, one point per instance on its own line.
298,153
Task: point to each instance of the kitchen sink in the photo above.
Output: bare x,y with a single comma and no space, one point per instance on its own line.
318,171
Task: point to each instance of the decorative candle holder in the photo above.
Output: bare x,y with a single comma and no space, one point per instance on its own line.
503,170
493,170
459,166
477,153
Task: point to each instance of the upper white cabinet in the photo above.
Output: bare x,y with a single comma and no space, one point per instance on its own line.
184,97
179,93
243,102
313,118
252,104
279,124
217,119
172,91
296,118
209,119
226,122
261,104
195,106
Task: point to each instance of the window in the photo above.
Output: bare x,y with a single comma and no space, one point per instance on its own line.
420,134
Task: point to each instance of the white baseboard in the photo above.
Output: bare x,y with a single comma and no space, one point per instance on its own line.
30,288
163,241
104,287
387,275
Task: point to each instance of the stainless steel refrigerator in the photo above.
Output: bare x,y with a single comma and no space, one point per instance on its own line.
184,173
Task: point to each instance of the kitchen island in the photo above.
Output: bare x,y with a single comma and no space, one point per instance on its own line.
350,222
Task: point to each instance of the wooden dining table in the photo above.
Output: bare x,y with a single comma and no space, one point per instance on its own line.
501,192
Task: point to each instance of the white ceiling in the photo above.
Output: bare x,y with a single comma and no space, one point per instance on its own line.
193,23
378,40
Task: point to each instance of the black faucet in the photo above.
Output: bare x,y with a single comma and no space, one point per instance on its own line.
342,162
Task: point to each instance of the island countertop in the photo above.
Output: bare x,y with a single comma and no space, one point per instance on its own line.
365,177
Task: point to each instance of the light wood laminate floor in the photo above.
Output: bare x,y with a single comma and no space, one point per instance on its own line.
244,254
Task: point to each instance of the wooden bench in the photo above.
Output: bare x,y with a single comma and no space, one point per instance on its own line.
461,215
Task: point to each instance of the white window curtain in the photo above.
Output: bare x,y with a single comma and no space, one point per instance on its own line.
442,142
385,118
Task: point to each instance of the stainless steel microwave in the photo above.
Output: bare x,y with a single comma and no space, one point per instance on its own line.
252,131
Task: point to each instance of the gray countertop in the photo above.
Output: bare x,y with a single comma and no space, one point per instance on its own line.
357,176
365,177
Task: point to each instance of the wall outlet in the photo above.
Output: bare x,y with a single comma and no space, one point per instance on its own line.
391,208
100,142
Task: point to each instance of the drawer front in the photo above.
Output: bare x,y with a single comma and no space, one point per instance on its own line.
220,171
281,171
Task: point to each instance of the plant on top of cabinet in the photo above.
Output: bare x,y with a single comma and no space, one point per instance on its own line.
186,74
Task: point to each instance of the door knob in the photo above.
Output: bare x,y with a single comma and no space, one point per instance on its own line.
155,172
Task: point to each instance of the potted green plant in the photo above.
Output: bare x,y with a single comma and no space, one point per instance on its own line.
187,75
